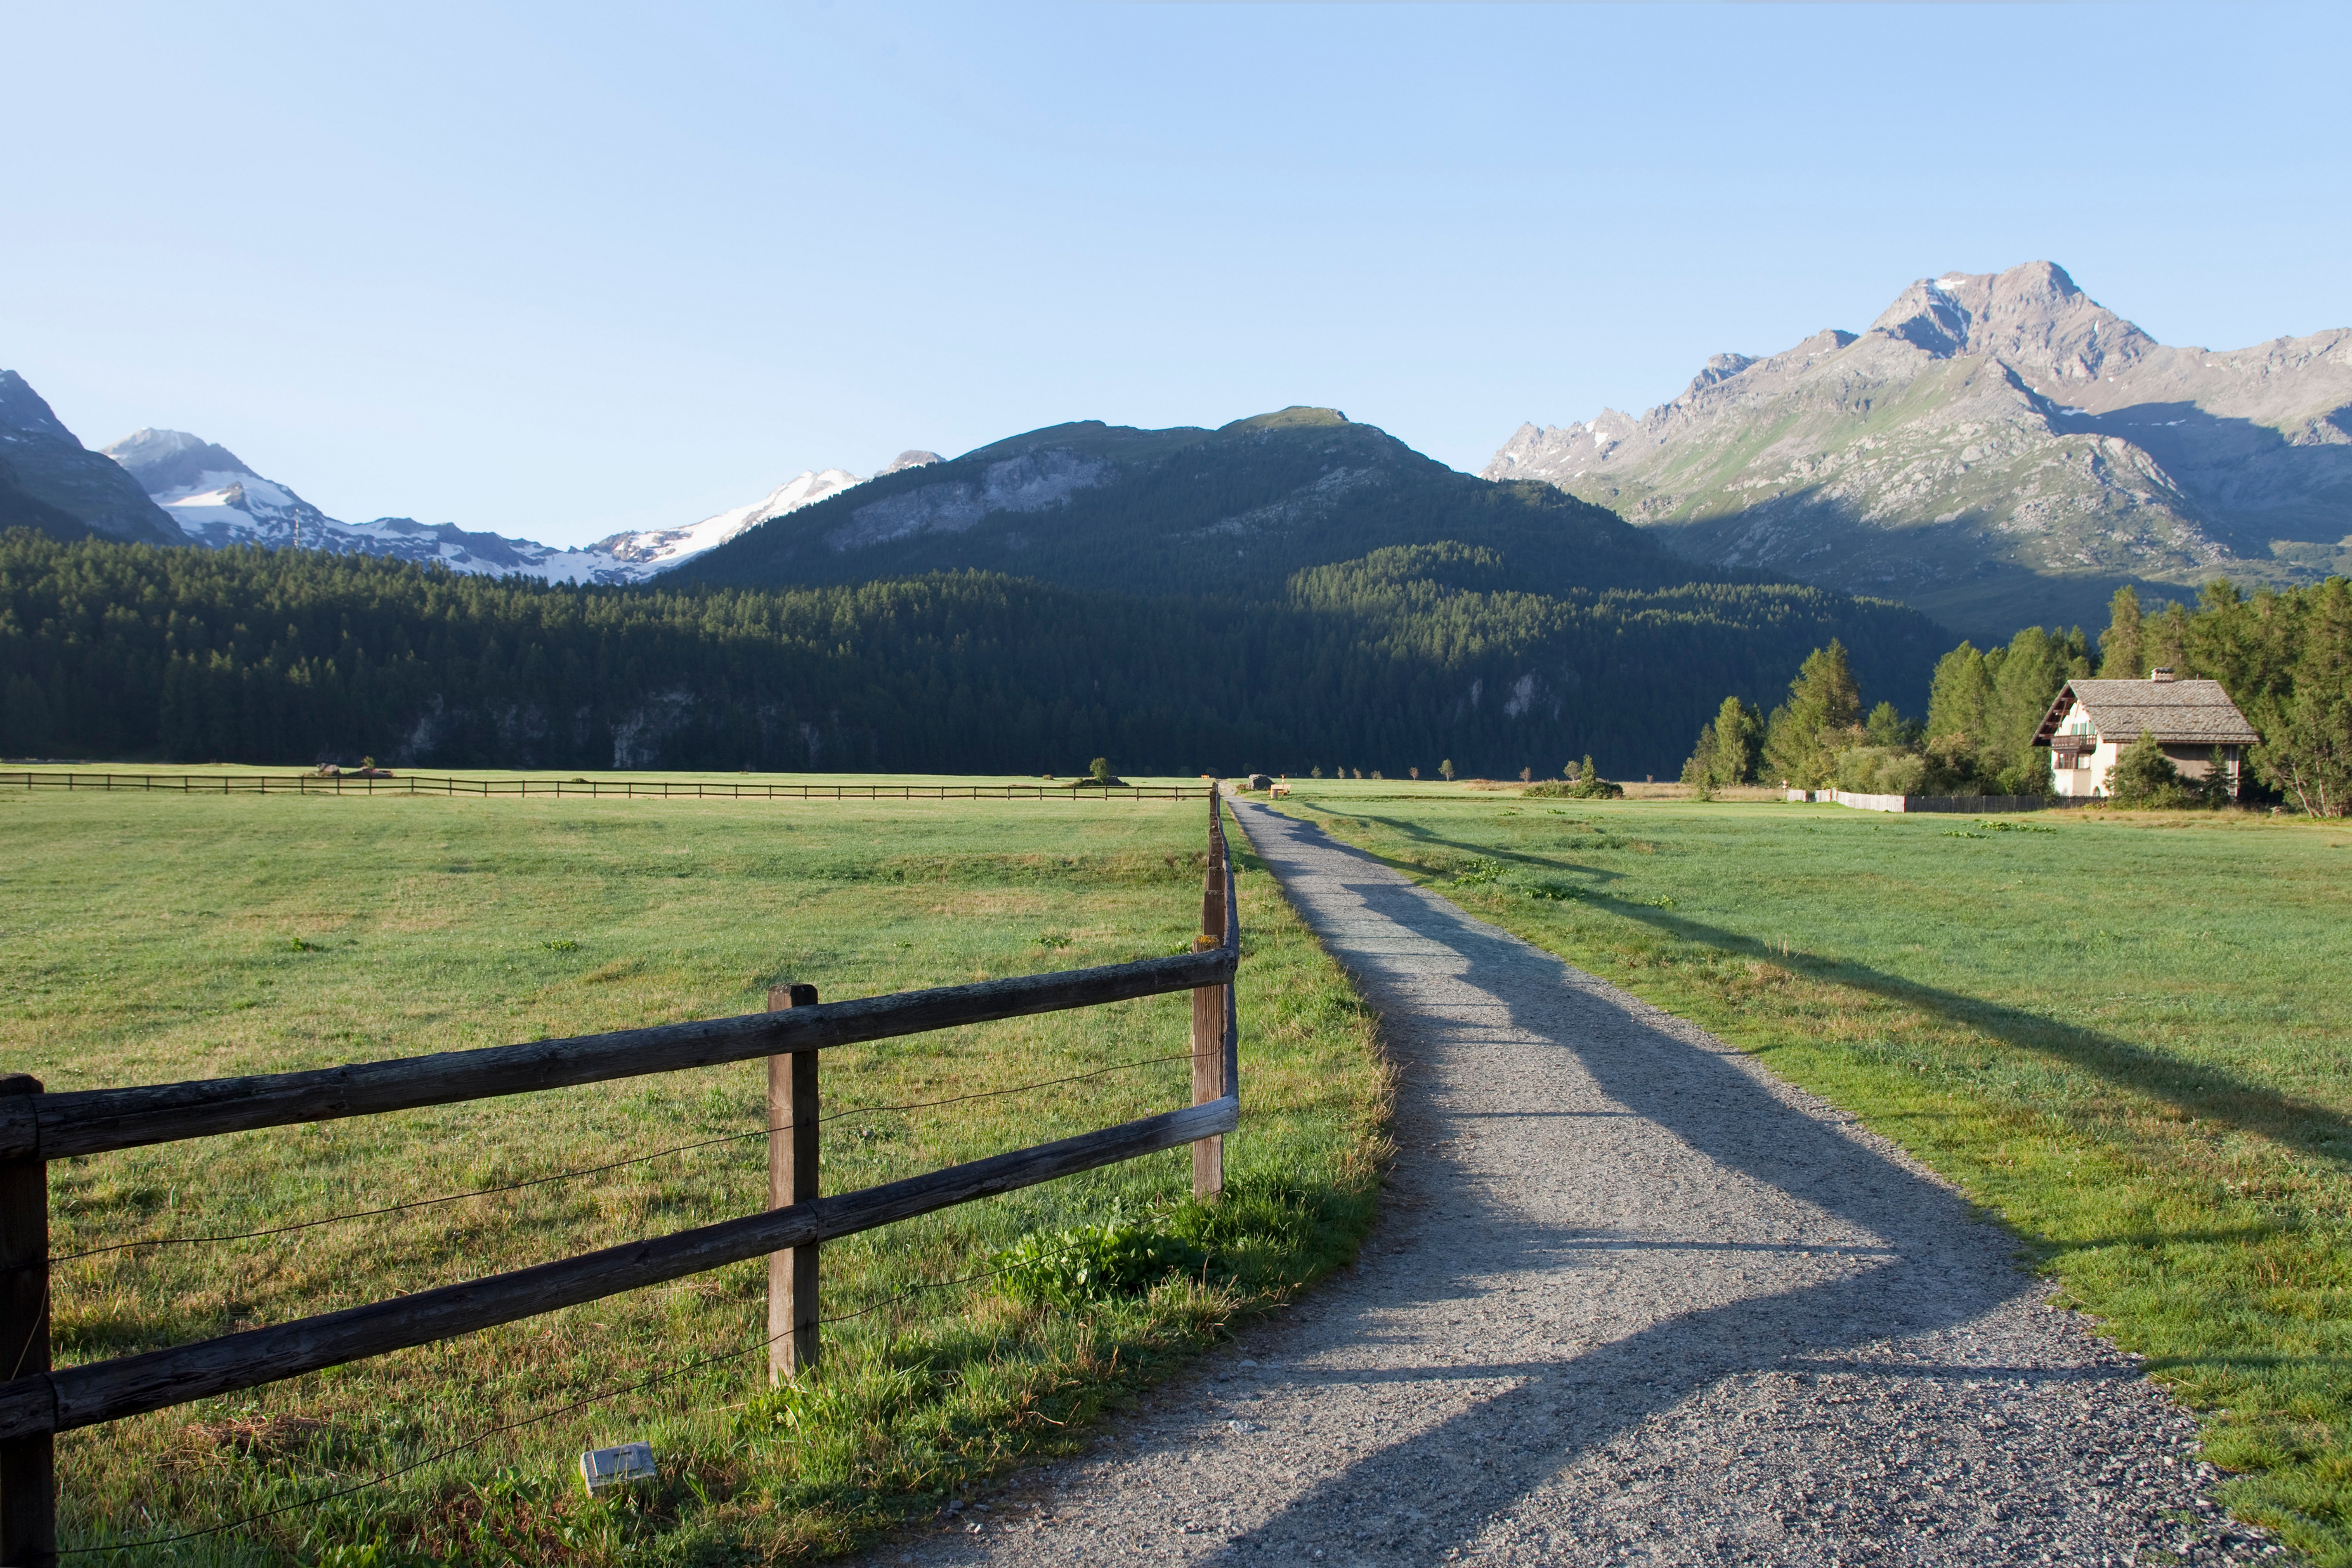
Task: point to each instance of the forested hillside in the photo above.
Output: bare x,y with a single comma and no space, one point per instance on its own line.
2285,660
1232,512
1393,660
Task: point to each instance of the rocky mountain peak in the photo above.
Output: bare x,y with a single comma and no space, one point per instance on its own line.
48,464
167,460
1999,447
1718,368
2033,316
913,458
25,410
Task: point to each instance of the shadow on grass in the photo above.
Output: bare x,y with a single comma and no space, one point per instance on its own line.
2235,1235
1414,831
1882,1277
2219,1095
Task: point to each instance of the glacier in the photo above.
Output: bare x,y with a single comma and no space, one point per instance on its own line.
219,502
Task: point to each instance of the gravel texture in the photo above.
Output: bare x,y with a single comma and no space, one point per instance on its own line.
1633,1298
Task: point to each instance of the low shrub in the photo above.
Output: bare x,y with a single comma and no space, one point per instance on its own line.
2145,777
1583,782
1881,769
1122,1256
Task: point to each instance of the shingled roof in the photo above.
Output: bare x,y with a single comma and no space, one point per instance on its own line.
2176,712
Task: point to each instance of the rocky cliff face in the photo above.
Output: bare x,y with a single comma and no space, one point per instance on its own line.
1996,449
50,475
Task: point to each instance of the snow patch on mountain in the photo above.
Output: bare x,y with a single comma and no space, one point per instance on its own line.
219,502
657,550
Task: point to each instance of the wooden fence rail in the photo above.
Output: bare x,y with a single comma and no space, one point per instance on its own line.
92,1120
37,1401
592,789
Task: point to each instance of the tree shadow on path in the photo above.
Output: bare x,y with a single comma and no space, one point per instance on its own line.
1898,1258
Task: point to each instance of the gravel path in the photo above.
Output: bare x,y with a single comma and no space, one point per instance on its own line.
1633,1298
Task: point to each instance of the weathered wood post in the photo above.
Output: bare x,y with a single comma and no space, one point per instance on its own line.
28,1505
1208,1016
791,1179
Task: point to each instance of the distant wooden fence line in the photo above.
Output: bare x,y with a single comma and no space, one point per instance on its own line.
39,1401
594,789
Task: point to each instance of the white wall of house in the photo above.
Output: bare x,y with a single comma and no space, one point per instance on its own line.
2088,777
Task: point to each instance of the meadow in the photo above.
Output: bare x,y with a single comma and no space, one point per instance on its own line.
148,939
2125,1035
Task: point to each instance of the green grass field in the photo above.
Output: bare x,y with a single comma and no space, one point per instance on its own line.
2126,1034
147,939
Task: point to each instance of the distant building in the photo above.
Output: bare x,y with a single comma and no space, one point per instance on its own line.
2091,722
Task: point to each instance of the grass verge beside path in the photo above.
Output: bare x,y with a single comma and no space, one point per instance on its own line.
2125,1035
151,939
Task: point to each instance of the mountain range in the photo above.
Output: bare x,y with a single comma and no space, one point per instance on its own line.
1288,591
167,487
1233,511
1996,449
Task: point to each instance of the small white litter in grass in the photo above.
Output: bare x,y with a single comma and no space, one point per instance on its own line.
605,1467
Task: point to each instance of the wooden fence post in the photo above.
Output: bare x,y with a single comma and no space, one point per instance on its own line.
791,1179
28,1504
1209,1019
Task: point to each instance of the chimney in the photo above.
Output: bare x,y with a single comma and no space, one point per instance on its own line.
2161,672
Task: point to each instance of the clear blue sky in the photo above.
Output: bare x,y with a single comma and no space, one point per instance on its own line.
565,270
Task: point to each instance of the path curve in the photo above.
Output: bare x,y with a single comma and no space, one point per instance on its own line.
1631,1299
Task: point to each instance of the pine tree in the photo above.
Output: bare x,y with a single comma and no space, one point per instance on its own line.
1805,734
1699,771
2217,786
2119,644
1738,742
2304,712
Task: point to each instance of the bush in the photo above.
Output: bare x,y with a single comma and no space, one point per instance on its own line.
1589,785
1583,782
1881,769
1263,1231
1266,1230
1123,1256
2143,776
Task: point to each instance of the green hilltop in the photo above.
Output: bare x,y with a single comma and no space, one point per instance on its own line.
1233,511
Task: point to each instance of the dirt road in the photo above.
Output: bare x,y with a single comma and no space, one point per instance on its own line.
1633,1300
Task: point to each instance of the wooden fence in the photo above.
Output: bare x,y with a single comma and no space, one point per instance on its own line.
36,1400
594,789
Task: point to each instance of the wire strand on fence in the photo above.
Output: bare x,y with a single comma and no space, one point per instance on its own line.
599,1170
34,1333
479,1438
